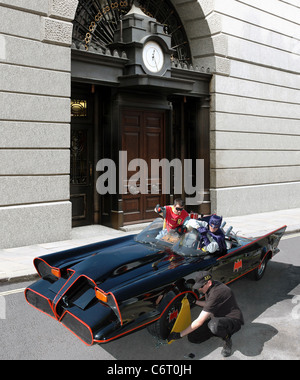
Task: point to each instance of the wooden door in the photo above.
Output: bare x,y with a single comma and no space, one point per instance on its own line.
143,137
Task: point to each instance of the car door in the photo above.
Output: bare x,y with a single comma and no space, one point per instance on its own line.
237,262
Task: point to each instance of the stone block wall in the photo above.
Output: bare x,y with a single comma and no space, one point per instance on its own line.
35,86
253,49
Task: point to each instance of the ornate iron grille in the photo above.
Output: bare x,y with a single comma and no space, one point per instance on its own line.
97,20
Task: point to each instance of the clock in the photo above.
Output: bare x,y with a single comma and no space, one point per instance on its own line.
153,57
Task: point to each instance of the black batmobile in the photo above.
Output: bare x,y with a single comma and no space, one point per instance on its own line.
105,290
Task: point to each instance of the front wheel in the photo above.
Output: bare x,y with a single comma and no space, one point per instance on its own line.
162,327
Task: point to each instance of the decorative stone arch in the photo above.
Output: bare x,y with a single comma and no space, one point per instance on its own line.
203,28
97,21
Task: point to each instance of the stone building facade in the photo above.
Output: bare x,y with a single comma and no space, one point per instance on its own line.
251,50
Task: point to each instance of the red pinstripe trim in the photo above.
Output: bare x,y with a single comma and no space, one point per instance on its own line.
145,324
252,242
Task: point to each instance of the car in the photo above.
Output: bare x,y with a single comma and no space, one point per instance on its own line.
103,291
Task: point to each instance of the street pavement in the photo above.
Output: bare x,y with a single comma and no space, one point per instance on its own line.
16,264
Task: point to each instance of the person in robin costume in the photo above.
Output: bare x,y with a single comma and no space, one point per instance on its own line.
174,216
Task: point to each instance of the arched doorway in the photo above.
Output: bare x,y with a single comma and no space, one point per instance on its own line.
117,108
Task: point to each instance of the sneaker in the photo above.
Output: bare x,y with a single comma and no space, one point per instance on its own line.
227,347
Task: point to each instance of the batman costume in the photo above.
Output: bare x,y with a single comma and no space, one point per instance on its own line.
211,237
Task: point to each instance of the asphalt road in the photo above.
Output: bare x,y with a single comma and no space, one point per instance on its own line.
271,309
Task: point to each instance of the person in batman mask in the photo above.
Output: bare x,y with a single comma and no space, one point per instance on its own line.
211,237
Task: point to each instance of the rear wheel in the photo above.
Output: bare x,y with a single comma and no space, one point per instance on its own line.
260,270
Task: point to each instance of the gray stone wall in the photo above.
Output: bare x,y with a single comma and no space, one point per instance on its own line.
35,85
253,49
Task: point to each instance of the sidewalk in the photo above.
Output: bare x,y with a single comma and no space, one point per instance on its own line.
16,263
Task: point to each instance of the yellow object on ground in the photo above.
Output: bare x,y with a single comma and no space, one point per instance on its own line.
184,318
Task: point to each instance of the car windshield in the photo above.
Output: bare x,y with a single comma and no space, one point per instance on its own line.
155,235
189,245
184,245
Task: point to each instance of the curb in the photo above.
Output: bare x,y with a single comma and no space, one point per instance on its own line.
17,279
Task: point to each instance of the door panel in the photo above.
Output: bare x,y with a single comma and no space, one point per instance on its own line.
81,172
142,137
154,146
132,143
237,264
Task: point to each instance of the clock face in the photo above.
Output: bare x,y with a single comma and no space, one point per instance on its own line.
153,56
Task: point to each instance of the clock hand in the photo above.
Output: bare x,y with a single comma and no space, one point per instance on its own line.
153,59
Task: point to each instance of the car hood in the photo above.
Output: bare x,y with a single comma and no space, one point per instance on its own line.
131,269
113,261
